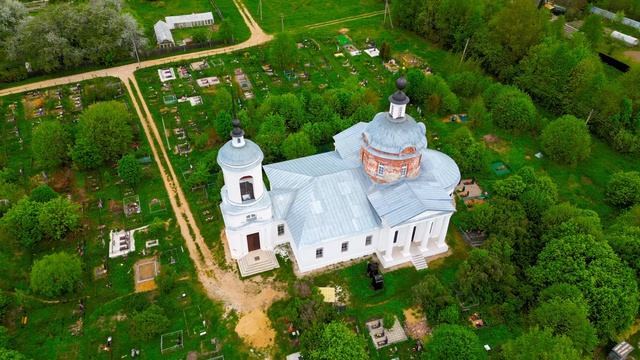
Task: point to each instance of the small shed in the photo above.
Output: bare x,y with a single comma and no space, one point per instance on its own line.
620,351
294,356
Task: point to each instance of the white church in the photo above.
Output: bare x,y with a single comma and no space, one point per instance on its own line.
381,191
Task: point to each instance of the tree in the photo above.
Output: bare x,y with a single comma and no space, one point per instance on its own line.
458,20
623,189
333,341
593,30
453,342
149,323
7,354
223,125
609,286
297,145
468,153
56,274
43,194
488,275
566,140
432,296
432,92
468,83
129,170
510,108
50,144
539,344
222,101
12,13
567,317
385,51
284,52
57,217
21,221
225,31
270,137
104,134
68,35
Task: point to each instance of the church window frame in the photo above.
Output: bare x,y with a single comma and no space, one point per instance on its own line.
247,190
344,247
380,169
280,229
368,240
319,253
403,170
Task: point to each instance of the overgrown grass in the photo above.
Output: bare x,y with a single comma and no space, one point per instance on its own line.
298,14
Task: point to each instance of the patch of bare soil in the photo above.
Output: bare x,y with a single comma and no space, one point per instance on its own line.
633,55
416,323
255,328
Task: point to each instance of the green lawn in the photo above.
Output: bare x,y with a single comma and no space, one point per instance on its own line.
297,14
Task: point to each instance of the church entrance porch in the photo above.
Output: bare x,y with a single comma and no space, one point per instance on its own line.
415,256
257,261
253,242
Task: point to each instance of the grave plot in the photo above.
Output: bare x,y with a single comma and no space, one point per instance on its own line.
171,341
145,272
196,323
157,206
131,205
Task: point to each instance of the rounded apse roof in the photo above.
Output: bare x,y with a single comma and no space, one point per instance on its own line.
392,136
230,157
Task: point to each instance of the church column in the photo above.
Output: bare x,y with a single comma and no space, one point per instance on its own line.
424,234
406,248
443,231
388,253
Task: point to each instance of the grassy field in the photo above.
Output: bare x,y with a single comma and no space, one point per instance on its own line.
110,300
298,14
149,12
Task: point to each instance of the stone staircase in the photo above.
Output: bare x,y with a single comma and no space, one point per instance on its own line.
419,262
256,262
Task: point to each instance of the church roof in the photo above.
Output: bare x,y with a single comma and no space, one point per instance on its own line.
234,158
328,195
392,136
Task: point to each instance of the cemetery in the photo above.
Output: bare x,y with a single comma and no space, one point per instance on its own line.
127,241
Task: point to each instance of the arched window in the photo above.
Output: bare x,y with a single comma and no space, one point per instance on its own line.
246,188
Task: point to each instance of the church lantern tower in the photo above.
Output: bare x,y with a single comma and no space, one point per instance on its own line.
392,142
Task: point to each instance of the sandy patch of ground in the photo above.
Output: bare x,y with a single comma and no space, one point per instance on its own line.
145,272
633,55
495,143
255,328
416,323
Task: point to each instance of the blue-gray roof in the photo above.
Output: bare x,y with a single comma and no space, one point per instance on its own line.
328,196
235,158
394,135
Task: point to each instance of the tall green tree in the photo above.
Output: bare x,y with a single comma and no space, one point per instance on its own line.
297,145
56,274
43,194
609,286
104,134
468,153
539,344
58,217
129,170
623,189
283,52
150,322
21,221
454,342
567,317
511,109
593,30
270,137
50,144
566,140
333,341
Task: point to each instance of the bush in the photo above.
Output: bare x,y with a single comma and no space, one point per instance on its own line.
623,189
149,323
56,274
510,108
566,140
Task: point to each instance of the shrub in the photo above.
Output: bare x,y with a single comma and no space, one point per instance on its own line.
623,189
566,140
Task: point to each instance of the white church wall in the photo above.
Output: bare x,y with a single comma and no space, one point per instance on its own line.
250,215
332,251
237,239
